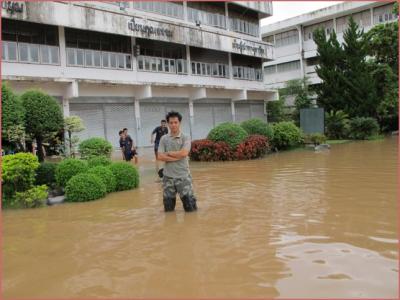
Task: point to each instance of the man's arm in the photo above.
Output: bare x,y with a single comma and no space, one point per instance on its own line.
152,135
184,152
162,152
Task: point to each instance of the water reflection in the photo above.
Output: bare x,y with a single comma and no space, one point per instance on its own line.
294,224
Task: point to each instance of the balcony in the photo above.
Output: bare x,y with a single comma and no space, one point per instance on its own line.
210,69
247,73
98,59
206,18
162,65
30,53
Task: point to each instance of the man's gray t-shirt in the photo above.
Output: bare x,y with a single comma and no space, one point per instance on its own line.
179,168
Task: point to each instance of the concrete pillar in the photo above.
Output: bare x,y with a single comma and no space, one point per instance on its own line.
185,13
302,68
139,132
191,117
372,16
133,55
230,65
226,16
63,49
65,104
233,111
334,25
188,60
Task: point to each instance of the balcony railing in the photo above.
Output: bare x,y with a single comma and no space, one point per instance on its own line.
162,65
243,26
30,53
163,8
210,69
206,18
98,59
247,73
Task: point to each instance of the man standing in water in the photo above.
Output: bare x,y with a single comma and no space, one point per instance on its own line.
174,150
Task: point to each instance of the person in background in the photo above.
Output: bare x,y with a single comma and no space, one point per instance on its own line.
129,147
158,132
122,143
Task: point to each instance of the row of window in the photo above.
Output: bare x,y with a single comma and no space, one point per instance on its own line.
247,73
210,69
30,53
281,68
164,8
243,26
160,64
286,38
206,18
98,59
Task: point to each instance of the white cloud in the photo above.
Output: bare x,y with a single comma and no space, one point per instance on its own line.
286,9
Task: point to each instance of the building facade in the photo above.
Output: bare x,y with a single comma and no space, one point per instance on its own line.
295,50
125,64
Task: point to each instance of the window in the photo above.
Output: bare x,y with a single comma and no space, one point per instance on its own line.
286,38
170,9
9,52
289,66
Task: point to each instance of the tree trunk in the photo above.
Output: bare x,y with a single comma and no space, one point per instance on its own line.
71,153
40,148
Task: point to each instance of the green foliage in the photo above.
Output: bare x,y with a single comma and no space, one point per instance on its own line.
46,174
276,110
337,124
230,133
84,187
106,176
12,118
42,116
126,175
95,147
257,126
98,161
362,128
72,125
32,198
315,138
18,172
68,168
286,134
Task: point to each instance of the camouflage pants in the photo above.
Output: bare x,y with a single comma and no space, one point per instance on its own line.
183,186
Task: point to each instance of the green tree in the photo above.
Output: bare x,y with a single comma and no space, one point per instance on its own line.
12,121
276,110
42,116
72,125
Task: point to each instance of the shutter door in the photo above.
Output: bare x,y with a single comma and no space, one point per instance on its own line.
242,112
203,120
257,111
92,117
151,114
222,113
183,109
119,116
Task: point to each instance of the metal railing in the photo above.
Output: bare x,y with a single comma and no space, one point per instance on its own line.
30,53
77,57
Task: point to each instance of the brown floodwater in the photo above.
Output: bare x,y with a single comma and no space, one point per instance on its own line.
293,224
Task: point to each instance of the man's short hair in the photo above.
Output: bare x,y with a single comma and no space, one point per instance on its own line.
120,132
163,121
173,114
125,129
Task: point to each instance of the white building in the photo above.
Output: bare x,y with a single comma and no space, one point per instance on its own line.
295,50
125,64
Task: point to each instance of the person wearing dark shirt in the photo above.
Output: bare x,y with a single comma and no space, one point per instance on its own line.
121,143
158,132
128,147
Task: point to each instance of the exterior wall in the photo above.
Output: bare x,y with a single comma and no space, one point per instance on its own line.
366,14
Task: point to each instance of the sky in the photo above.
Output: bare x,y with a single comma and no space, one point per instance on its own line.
286,9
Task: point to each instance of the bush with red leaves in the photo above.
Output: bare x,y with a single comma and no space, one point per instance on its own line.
252,147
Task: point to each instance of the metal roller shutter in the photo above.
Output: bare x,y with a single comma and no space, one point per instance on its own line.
203,120
257,111
242,112
151,114
119,116
222,113
92,117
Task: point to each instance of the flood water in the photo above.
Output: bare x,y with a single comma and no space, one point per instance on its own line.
293,224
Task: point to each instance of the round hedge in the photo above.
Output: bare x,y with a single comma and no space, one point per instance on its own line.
230,133
126,175
258,127
286,134
84,187
46,174
95,147
106,176
68,168
98,161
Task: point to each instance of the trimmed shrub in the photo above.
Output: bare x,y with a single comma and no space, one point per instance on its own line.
126,175
254,146
363,127
84,187
258,127
68,168
230,133
206,150
34,197
95,147
337,124
98,161
286,134
315,138
106,176
46,174
18,172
